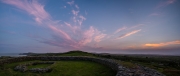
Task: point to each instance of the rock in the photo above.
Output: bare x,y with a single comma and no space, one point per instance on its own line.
121,71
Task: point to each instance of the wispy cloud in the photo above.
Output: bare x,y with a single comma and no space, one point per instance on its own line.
32,7
128,34
81,19
98,38
166,3
88,36
120,29
64,6
78,18
162,44
136,26
75,12
77,6
154,14
70,3
62,33
66,34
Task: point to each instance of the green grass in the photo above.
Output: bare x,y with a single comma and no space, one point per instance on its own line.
39,66
12,65
76,54
62,68
127,64
81,68
167,70
70,53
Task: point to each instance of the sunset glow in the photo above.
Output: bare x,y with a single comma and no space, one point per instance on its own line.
113,26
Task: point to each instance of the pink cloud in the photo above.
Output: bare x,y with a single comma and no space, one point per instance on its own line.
62,33
120,29
70,3
162,44
75,12
88,36
129,34
98,38
77,6
78,18
81,19
166,3
73,28
136,26
154,14
171,1
31,7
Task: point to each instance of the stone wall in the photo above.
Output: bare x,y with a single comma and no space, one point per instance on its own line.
121,70
24,68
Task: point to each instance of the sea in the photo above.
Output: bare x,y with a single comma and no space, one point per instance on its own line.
11,54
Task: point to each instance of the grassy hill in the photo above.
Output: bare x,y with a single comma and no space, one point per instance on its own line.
168,65
70,53
61,68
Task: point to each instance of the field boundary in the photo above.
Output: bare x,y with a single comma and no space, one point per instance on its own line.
121,70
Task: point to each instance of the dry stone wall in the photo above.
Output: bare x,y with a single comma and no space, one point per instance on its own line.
121,70
23,67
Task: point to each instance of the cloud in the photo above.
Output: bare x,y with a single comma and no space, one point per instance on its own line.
77,6
70,3
162,44
99,37
88,36
138,25
166,3
64,34
81,19
75,12
154,14
120,29
78,18
32,7
64,6
128,34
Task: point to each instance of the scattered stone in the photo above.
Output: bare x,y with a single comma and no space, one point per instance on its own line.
23,68
40,70
121,70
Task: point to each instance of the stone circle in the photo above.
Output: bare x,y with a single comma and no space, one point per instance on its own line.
24,68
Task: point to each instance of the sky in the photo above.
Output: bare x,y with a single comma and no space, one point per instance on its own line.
101,26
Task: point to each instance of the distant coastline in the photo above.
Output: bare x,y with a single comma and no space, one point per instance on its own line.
11,54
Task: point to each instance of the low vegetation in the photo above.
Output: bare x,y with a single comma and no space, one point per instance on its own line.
70,53
168,65
61,68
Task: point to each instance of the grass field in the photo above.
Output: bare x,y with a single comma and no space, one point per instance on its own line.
62,68
168,65
70,53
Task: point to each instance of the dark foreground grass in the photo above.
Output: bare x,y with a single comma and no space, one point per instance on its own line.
39,66
62,68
